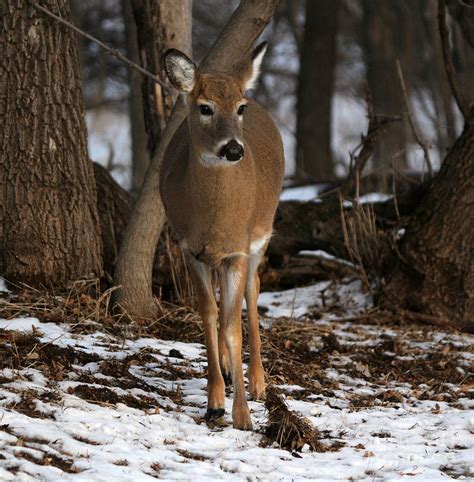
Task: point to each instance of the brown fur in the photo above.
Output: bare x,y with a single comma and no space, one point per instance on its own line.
218,211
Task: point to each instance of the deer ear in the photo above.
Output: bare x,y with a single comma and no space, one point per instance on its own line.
256,62
180,69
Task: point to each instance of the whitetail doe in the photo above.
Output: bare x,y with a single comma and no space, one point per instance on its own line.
221,180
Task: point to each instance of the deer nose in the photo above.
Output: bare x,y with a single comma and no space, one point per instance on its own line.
233,151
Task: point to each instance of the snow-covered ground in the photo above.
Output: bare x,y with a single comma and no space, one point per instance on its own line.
80,403
312,191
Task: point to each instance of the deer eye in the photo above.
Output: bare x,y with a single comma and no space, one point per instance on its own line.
240,110
205,110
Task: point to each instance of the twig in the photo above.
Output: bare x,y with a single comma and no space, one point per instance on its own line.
368,146
448,61
465,326
411,119
108,49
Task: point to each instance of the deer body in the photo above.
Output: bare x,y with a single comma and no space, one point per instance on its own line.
220,183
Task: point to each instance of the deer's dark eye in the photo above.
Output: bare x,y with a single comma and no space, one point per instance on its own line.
205,110
240,110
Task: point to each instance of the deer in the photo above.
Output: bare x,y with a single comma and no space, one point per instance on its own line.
220,182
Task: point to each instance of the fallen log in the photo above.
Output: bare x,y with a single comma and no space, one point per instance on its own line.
302,270
316,225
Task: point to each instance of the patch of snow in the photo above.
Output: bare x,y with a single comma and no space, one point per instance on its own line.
299,302
372,197
3,286
302,193
319,253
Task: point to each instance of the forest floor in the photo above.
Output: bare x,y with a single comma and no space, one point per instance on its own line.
87,401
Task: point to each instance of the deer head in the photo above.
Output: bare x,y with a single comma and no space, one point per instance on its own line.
216,104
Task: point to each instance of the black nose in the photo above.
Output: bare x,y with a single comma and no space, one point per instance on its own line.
233,151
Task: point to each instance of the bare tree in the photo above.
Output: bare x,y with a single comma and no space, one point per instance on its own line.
140,159
49,224
134,266
315,90
384,31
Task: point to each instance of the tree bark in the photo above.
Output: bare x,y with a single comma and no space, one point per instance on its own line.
134,267
140,158
160,26
384,29
315,89
50,233
435,275
114,206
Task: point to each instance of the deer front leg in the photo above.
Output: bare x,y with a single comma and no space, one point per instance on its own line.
233,275
252,290
202,280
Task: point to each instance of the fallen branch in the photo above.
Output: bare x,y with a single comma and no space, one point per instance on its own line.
117,54
301,270
466,326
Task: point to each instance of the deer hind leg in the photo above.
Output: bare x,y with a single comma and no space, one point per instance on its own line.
252,290
202,280
224,358
233,274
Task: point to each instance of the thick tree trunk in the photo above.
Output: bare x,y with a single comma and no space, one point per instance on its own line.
384,29
134,267
50,227
140,158
315,89
435,275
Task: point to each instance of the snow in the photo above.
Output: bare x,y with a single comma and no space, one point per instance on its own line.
319,253
3,286
420,439
304,301
303,193
312,191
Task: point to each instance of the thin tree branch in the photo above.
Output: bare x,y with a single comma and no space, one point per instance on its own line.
368,146
448,61
411,119
108,49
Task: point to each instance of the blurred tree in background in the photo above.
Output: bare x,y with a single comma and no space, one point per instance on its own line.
315,90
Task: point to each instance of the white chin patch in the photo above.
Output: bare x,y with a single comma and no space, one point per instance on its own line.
211,160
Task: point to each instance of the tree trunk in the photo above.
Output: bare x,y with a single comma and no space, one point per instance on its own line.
50,227
114,205
315,89
140,159
160,26
134,267
384,29
435,275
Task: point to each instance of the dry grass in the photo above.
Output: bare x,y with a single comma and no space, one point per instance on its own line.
367,244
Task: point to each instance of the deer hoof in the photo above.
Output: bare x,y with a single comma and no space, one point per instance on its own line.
241,420
214,413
